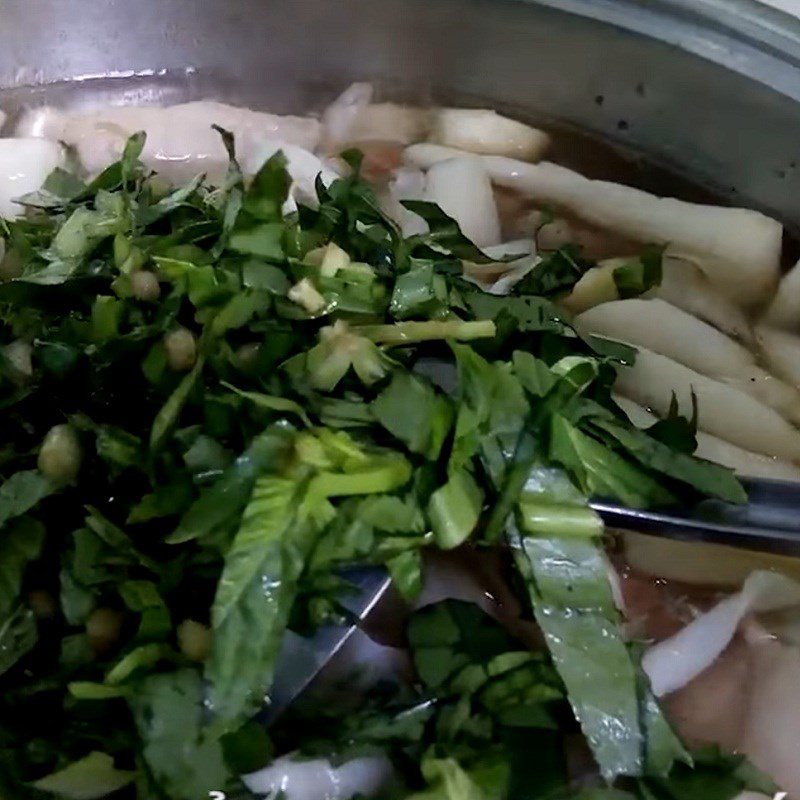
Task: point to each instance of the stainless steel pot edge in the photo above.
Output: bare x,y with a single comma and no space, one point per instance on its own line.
746,36
708,88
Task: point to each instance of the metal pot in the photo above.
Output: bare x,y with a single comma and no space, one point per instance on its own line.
707,88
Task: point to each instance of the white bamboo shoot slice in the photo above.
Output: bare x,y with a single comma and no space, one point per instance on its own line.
723,410
667,330
781,351
180,140
686,286
738,249
353,118
425,154
24,166
784,311
461,188
479,130
671,664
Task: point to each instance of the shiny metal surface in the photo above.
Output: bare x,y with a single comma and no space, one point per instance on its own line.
302,659
707,87
769,521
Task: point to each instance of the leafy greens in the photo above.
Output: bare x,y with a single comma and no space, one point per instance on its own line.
263,418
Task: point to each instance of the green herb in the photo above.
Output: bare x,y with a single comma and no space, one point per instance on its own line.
556,273
444,233
418,292
223,502
354,402
21,492
639,275
94,776
454,509
271,403
259,582
19,545
412,411
183,760
18,635
169,413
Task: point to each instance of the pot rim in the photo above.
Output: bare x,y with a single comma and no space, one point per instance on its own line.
745,36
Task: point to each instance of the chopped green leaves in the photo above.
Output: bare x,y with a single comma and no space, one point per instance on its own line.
142,597
491,405
530,313
339,350
184,760
449,782
168,415
118,448
270,402
601,472
21,492
574,608
444,233
221,505
259,582
418,292
454,509
412,411
638,275
90,778
315,424
18,635
556,273
406,571
712,776
117,540
263,241
20,544
268,191
707,478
